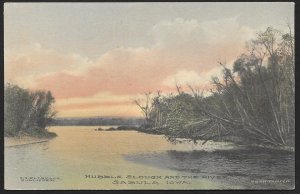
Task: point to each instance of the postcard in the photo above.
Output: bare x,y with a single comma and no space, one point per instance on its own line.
149,96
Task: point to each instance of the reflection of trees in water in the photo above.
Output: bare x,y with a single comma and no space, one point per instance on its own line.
244,163
236,161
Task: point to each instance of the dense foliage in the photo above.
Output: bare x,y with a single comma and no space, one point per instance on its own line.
27,112
253,102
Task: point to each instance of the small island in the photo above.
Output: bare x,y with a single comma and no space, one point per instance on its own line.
120,128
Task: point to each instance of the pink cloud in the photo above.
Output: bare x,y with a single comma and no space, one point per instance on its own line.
124,71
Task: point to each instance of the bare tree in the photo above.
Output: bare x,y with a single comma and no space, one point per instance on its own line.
145,105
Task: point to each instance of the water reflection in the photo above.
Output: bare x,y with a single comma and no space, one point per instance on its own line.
242,164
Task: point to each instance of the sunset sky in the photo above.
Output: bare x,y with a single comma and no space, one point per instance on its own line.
97,57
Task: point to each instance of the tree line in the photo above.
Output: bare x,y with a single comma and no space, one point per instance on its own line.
27,112
96,121
252,103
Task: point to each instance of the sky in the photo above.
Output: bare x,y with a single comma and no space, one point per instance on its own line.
96,58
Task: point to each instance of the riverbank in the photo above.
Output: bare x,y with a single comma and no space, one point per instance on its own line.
237,144
24,140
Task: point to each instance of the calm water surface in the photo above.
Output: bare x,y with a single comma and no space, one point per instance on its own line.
80,157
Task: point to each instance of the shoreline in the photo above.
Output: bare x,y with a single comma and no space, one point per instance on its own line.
24,140
182,140
238,145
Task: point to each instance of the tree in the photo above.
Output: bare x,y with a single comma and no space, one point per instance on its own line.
145,105
26,111
253,102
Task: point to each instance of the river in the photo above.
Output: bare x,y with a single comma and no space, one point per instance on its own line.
82,158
